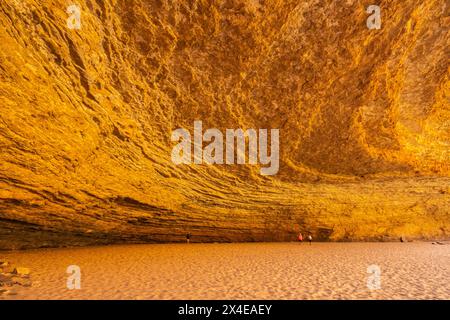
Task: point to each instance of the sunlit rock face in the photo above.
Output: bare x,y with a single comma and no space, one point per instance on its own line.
87,116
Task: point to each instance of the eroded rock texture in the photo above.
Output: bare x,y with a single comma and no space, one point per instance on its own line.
86,118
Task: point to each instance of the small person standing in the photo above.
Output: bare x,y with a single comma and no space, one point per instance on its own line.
300,237
310,239
188,237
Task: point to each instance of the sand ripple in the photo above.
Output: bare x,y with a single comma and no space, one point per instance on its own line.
239,271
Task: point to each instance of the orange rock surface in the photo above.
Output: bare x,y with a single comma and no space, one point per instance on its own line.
86,119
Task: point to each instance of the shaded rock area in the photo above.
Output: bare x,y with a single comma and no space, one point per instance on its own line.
87,115
12,277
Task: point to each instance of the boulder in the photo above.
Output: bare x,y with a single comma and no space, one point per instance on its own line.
21,271
21,281
5,280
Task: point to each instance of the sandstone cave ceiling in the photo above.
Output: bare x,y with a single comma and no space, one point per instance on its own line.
87,116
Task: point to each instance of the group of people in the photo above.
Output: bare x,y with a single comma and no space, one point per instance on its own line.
300,238
309,238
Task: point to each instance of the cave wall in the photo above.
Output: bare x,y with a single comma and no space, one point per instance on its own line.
87,115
